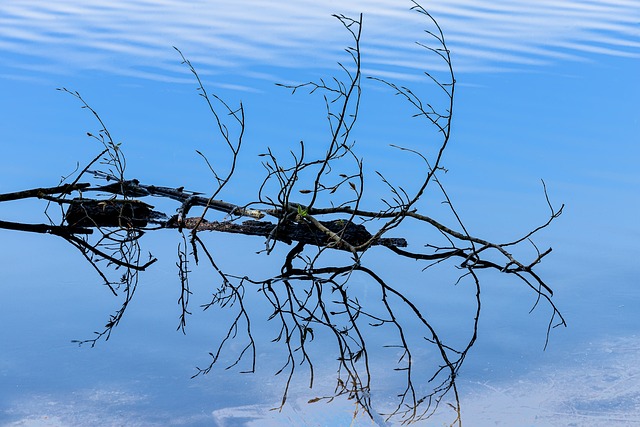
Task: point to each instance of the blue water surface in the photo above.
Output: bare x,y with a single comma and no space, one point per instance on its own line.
545,90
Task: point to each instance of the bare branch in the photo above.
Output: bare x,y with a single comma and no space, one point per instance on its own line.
317,204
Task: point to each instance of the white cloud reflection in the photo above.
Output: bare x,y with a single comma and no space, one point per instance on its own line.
135,37
595,387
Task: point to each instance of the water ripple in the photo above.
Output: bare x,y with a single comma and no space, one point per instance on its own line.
134,38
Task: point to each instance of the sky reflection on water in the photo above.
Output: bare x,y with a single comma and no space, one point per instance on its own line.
547,89
134,38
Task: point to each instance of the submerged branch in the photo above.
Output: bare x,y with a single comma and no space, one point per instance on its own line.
316,203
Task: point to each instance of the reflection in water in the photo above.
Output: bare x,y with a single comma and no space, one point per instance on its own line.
135,38
600,392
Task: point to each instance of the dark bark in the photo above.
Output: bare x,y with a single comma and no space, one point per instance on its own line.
310,292
302,232
108,213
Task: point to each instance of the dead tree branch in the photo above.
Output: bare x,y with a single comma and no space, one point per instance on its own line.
315,205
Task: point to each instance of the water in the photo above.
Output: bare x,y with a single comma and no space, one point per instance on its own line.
545,90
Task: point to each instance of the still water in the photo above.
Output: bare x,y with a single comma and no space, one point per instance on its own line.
546,90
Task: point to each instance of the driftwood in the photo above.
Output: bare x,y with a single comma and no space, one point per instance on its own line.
133,188
108,213
318,203
116,212
84,213
355,234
